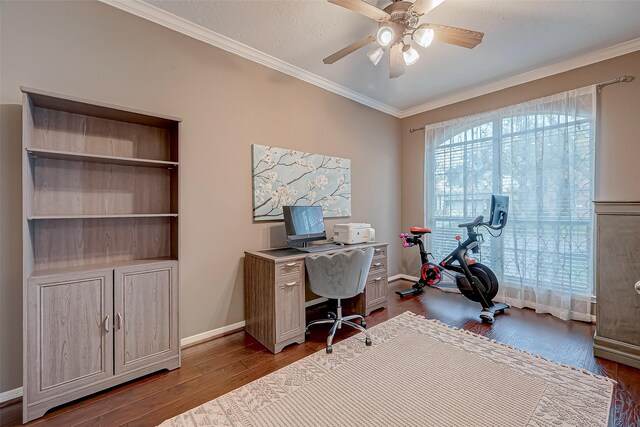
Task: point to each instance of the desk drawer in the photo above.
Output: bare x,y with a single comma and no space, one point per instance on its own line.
288,271
290,316
378,266
376,289
380,252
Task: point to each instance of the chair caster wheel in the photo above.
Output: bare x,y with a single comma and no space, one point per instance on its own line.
329,349
307,333
368,342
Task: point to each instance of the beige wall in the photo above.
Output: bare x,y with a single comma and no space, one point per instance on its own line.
94,51
618,146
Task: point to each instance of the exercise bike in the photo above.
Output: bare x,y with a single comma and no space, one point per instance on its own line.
475,281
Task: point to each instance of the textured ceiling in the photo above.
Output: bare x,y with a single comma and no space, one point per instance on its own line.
519,36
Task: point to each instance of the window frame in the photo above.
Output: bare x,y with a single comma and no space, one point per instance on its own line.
497,121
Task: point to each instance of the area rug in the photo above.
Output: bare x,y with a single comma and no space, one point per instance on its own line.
418,372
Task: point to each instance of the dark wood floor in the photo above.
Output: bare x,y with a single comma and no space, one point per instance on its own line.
219,366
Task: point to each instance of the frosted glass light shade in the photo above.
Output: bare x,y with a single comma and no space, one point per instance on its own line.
410,56
375,55
385,36
423,36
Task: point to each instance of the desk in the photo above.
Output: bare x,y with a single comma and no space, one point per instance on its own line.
274,293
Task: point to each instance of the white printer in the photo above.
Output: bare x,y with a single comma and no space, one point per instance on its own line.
354,232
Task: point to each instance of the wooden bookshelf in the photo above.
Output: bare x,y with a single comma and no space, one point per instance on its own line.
100,247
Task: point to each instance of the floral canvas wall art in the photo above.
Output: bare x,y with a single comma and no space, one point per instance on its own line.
284,177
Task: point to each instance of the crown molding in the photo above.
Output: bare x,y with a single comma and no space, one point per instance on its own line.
188,28
539,73
166,19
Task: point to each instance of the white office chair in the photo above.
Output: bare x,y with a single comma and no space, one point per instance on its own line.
338,276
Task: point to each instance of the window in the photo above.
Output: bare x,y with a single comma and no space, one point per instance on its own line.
542,158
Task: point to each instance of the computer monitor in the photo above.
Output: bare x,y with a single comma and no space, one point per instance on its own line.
303,224
499,211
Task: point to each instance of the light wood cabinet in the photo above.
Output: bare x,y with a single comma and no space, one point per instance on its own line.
71,344
274,289
100,247
617,275
290,317
146,315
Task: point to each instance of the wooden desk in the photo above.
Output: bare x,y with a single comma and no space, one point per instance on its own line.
274,293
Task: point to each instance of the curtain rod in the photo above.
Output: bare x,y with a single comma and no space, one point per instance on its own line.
599,86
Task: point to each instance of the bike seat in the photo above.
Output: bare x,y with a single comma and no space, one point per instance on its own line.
473,223
419,231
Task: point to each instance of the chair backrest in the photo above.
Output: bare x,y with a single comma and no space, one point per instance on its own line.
339,275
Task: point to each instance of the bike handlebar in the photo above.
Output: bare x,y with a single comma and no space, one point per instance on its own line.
478,222
474,223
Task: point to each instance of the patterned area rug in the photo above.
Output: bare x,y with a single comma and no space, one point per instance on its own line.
418,372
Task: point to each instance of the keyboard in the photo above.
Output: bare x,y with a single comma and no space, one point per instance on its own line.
319,248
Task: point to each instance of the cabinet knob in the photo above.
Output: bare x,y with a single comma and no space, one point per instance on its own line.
637,287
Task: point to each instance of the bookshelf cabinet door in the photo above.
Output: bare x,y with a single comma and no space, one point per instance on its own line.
71,344
145,315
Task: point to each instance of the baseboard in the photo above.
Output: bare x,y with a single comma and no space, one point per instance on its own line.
212,334
315,302
8,395
618,351
402,277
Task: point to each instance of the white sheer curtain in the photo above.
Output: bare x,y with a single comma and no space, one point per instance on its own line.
541,154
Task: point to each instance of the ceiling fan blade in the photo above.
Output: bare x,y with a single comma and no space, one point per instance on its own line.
422,7
457,36
364,9
347,50
396,61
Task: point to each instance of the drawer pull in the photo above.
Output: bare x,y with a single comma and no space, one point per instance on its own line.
119,317
291,264
377,250
377,264
377,279
106,324
291,284
637,287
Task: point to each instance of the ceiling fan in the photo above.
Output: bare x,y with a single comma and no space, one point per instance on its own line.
400,21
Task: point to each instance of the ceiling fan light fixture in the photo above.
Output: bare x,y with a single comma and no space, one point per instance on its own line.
385,36
423,36
410,56
375,55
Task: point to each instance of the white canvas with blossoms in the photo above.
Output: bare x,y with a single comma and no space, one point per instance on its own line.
284,177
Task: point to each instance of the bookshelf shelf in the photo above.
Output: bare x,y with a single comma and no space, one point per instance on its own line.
96,158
